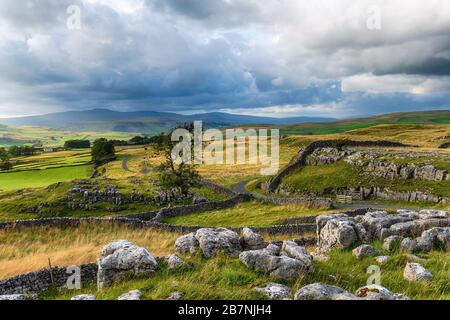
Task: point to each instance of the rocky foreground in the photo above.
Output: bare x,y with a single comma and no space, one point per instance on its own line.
409,231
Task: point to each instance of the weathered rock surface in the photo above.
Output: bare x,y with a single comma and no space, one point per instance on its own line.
174,261
275,291
415,272
342,231
292,263
273,249
84,297
16,297
209,240
218,239
175,296
365,250
376,292
251,240
121,259
293,250
132,295
187,243
318,291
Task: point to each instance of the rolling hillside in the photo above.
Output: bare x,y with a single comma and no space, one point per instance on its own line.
426,117
146,122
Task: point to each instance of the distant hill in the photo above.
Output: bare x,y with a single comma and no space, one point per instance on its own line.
425,117
145,122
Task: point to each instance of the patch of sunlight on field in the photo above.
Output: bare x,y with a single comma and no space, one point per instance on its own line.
254,213
42,178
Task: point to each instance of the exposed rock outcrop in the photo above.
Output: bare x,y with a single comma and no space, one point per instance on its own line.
319,291
275,291
121,259
292,262
342,231
251,240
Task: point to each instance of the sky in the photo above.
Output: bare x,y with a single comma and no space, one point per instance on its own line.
280,58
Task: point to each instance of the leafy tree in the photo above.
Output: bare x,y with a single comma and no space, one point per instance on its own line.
103,151
77,144
5,164
183,176
17,151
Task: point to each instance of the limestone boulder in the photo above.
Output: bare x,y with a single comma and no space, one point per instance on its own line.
415,272
218,239
187,244
376,292
275,291
364,251
122,259
251,240
132,295
319,291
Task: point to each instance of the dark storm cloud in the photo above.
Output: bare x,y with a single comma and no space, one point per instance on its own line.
428,67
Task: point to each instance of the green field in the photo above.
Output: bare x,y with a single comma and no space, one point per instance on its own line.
42,178
430,117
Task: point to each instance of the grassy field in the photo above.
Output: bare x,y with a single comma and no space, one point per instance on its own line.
227,278
254,213
41,178
219,278
326,179
413,118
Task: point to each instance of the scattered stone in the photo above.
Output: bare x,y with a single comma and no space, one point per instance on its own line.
174,261
365,250
176,296
84,297
408,245
392,243
415,272
382,259
319,291
17,297
187,244
318,256
132,295
121,259
275,291
251,240
376,292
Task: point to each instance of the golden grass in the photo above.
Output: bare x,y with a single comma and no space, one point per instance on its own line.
28,250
